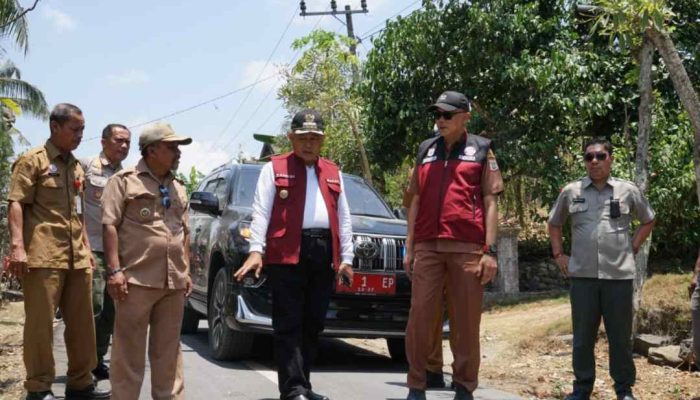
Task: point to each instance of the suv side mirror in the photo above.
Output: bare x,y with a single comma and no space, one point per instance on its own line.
206,202
400,213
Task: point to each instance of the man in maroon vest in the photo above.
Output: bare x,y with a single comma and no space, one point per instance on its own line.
302,234
451,242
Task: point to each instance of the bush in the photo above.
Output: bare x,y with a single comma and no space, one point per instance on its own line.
665,307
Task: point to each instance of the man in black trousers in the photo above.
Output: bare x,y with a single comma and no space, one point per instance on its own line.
302,235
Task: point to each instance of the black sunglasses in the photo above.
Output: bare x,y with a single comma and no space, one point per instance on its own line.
446,115
600,156
165,193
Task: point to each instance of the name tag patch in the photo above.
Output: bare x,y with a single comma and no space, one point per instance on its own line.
278,175
579,200
467,158
428,159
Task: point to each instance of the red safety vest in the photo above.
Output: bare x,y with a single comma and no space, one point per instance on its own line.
284,231
451,204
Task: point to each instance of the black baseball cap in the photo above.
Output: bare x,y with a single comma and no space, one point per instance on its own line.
451,101
307,121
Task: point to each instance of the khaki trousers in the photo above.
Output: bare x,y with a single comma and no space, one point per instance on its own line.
161,311
69,290
433,271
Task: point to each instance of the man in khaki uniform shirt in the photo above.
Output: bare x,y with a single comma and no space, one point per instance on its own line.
116,140
50,253
145,238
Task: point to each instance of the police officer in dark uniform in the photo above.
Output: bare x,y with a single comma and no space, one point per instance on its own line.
302,235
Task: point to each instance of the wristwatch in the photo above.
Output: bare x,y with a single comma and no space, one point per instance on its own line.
491,249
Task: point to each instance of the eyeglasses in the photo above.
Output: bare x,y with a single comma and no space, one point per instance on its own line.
600,156
165,193
446,115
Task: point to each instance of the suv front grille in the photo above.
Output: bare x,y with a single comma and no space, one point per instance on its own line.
389,253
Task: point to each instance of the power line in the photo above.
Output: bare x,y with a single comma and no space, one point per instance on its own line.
250,90
365,35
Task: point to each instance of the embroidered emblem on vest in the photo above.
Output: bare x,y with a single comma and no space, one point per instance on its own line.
470,150
53,170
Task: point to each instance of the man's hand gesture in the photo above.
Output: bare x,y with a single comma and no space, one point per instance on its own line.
254,262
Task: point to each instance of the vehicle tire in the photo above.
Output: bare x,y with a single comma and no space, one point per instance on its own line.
190,321
224,342
397,349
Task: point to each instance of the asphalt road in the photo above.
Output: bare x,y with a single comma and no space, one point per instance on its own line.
343,372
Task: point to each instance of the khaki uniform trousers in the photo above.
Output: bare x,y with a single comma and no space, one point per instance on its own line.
432,271
70,290
161,311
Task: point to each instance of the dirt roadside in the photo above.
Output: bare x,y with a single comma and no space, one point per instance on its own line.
525,351
11,366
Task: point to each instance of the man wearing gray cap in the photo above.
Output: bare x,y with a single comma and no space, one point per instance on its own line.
146,244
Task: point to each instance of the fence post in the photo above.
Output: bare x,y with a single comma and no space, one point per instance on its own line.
508,278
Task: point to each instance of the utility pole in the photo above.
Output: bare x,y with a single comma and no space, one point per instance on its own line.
334,11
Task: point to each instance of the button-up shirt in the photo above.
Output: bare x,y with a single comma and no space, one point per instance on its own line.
601,243
151,236
315,213
97,171
49,186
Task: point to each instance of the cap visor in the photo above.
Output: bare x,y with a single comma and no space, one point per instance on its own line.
180,139
442,106
303,131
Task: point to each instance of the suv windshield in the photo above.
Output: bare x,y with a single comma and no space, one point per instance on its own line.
361,198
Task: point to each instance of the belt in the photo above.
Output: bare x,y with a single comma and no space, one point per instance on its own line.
316,233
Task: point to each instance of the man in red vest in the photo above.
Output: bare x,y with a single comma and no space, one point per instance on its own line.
302,235
452,224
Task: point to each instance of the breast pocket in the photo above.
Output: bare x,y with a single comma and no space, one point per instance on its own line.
95,187
52,191
578,212
283,198
141,207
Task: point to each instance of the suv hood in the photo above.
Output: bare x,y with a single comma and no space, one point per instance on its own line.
378,226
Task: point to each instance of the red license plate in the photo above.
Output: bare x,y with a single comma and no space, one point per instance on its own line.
368,284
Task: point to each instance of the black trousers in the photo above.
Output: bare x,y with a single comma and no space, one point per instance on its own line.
300,297
592,299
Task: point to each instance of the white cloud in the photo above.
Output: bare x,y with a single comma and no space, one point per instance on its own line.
203,155
255,70
61,21
131,76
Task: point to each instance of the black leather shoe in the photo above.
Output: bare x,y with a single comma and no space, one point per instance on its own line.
40,396
416,394
298,397
576,395
461,393
315,396
625,396
101,372
434,380
89,393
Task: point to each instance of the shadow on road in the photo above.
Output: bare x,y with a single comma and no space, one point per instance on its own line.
334,355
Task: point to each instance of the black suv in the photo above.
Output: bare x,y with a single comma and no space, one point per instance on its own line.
376,306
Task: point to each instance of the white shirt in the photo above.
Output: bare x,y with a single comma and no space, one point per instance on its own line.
315,212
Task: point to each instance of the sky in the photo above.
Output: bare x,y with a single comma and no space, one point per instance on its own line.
134,61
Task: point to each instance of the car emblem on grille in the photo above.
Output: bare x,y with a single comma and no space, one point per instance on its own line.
367,250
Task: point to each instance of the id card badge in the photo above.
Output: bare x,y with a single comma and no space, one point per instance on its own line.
78,204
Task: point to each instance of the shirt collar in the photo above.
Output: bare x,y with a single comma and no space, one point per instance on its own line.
54,152
142,168
106,163
586,181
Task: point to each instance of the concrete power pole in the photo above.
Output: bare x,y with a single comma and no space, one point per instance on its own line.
334,11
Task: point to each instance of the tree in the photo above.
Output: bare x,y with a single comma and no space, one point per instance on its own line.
538,87
192,180
323,79
632,21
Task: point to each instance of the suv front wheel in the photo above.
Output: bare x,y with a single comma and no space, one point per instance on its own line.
224,342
